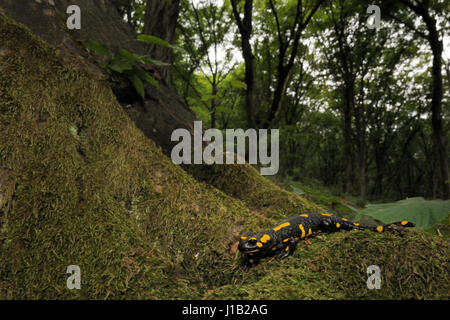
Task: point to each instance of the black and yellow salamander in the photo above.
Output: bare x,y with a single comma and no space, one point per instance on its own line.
281,240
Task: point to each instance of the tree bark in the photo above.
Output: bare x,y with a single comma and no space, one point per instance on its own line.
346,64
214,91
245,30
161,20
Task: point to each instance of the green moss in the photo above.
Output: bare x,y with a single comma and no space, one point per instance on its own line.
334,267
259,193
92,190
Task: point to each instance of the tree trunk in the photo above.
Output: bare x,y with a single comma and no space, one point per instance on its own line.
440,144
245,29
280,89
161,112
348,150
213,104
284,69
161,20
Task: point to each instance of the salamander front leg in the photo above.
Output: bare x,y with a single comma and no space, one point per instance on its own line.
250,260
287,250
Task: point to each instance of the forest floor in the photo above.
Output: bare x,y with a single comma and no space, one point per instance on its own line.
81,185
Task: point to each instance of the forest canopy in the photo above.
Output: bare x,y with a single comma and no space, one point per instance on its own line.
362,108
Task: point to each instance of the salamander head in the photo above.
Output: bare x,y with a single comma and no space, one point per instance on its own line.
252,244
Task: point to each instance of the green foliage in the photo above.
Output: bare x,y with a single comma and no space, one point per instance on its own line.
137,83
96,47
129,64
120,64
158,41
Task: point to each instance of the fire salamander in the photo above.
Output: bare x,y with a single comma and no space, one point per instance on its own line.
281,240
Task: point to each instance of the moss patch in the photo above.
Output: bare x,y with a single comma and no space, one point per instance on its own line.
259,193
334,267
91,190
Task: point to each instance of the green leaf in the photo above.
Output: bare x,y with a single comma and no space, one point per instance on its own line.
424,213
145,76
156,62
153,40
130,56
96,47
239,84
224,109
119,64
207,97
137,83
158,41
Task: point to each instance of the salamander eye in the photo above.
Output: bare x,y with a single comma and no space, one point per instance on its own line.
252,241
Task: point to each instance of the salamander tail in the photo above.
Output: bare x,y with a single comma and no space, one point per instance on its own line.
394,226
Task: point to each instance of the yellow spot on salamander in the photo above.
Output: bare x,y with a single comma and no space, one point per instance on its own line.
404,222
259,244
304,215
355,223
286,224
343,219
296,239
309,232
286,240
380,228
303,230
243,238
252,238
265,238
287,248
326,214
274,248
338,225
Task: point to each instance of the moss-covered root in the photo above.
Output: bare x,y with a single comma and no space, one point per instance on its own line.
85,187
259,193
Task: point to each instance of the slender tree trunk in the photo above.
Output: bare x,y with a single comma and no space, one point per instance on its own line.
348,150
245,30
280,89
213,105
285,68
440,143
379,164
